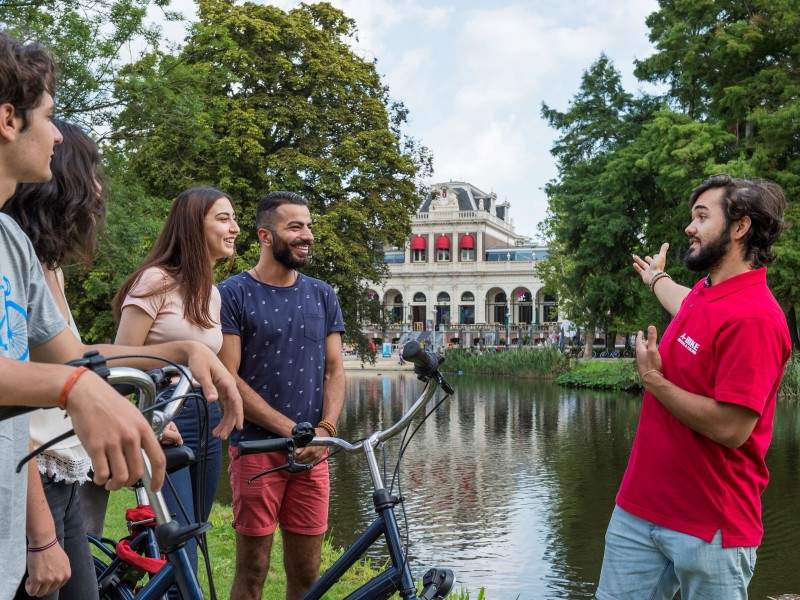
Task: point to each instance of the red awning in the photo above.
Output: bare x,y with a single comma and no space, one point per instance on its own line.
418,243
443,242
467,242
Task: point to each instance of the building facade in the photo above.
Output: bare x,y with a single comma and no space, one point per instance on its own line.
465,274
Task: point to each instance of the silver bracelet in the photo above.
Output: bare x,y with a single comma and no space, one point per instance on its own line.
646,373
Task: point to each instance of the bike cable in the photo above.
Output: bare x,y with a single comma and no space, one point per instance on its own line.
403,446
68,434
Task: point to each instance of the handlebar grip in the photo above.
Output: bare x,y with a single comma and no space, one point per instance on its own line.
426,361
270,445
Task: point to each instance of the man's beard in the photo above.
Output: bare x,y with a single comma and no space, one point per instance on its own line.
709,255
282,252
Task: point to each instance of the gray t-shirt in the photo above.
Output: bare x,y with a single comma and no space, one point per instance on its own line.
28,317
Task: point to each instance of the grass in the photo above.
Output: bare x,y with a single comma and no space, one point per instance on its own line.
616,374
222,544
537,363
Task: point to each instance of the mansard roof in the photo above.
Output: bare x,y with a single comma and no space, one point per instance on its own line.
469,197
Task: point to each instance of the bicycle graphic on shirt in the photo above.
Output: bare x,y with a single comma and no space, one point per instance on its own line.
13,325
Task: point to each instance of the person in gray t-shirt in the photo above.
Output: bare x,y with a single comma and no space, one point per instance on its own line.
25,300
111,428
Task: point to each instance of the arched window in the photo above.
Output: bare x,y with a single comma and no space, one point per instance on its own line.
522,309
419,297
466,311
393,306
442,310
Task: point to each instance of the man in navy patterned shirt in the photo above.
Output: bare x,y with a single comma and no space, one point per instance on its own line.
282,340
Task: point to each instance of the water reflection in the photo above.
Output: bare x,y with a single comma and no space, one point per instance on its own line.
511,484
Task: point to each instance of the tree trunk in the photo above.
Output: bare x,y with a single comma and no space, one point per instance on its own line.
611,340
588,341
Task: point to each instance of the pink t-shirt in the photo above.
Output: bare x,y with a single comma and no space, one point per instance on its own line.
166,308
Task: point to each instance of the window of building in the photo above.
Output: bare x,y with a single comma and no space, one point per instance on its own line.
443,254
466,314
466,310
418,256
467,254
419,297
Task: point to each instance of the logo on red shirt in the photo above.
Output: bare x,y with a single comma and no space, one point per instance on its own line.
688,343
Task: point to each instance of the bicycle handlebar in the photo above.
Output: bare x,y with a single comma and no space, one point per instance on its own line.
270,445
426,362
426,366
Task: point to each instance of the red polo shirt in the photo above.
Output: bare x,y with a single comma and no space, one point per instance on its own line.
729,342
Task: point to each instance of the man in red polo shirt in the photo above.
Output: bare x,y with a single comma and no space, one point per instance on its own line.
688,513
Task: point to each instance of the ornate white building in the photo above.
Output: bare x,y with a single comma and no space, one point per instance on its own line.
466,273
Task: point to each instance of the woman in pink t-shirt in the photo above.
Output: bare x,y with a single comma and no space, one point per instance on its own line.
172,297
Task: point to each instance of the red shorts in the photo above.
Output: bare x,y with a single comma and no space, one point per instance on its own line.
297,502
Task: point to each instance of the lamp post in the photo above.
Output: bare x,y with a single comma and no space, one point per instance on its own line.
508,325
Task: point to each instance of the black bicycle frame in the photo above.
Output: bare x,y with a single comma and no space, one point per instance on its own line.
396,578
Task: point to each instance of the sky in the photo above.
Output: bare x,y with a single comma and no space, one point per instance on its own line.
474,75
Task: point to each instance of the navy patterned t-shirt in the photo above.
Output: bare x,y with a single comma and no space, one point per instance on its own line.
282,331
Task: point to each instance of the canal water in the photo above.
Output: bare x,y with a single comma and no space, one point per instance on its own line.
511,484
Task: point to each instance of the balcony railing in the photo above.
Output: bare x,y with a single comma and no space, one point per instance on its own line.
462,215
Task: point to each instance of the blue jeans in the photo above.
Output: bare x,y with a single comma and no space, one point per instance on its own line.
644,561
187,481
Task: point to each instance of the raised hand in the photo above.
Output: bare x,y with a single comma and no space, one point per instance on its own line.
650,265
648,358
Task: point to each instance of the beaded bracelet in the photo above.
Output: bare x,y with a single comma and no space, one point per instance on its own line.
656,277
35,549
328,426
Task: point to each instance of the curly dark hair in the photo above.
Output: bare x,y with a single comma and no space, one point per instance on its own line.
63,216
762,200
26,72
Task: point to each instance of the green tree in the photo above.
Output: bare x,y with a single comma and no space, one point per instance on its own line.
734,65
90,40
591,227
260,99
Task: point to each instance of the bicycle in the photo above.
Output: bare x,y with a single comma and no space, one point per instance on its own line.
157,548
397,578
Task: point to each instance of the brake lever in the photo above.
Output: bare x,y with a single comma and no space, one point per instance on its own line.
291,466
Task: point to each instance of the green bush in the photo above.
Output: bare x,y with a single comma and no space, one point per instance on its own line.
603,375
527,362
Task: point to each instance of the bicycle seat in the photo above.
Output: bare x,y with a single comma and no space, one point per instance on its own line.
178,457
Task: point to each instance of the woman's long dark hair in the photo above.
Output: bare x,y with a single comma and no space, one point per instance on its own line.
62,216
181,251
